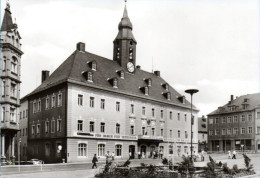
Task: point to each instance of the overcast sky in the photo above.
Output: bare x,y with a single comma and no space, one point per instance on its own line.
211,45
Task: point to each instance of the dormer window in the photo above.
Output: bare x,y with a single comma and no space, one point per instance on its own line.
167,95
115,83
149,82
121,74
146,90
182,99
88,75
93,65
165,86
246,100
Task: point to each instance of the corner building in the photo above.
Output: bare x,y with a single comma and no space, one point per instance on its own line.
235,126
10,85
93,105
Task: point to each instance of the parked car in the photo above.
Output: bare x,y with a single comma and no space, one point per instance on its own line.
35,161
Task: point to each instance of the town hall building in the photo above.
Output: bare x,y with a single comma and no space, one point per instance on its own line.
94,105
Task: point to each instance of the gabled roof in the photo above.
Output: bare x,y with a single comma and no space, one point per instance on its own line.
252,103
72,69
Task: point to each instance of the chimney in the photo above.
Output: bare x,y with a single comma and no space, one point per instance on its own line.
45,75
138,67
157,73
81,46
231,97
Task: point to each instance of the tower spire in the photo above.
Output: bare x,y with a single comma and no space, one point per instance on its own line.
7,23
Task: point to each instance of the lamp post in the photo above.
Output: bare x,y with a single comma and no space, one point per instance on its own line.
191,92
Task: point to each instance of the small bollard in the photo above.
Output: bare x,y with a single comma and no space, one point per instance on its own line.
63,160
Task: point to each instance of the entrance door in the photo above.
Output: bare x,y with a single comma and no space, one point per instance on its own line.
143,151
132,151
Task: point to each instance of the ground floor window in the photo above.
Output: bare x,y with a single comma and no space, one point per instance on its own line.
118,150
82,149
170,149
101,149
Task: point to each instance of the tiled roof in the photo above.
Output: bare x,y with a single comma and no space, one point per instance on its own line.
7,24
75,65
253,101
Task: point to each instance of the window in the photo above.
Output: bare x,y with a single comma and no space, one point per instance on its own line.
53,101
34,107
115,83
4,63
153,131
59,125
52,126
216,121
243,130
33,129
122,74
80,100
250,130
229,119
146,90
132,130
102,127
186,134
179,116
249,118
211,132
39,106
82,149
130,53
47,103
170,149
46,126
229,131
170,115
185,117
94,65
153,113
117,128
3,87
161,114
59,99
143,110
235,131
13,114
210,120
168,96
143,131
80,125
235,119
91,102
216,132
90,78
102,104
223,120
117,106
223,131
14,65
132,109
179,134
3,114
23,114
47,149
149,82
13,90
91,126
38,129
171,134
243,118
161,132
258,130
118,150
101,149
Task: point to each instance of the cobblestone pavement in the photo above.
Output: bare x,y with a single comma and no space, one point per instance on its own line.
84,170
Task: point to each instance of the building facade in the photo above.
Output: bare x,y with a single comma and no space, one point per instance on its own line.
235,126
10,85
93,105
202,134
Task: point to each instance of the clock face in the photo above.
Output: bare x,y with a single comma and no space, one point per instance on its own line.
130,67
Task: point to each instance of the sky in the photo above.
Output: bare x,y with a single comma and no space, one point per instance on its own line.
210,45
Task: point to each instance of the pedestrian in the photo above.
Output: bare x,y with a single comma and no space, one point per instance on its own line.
202,155
107,155
94,161
229,154
130,155
139,155
234,154
113,156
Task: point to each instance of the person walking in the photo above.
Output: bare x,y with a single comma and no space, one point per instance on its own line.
113,156
202,155
94,161
234,154
229,154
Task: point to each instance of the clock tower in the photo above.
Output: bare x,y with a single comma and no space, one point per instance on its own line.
125,44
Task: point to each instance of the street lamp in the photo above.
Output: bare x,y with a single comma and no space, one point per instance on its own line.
191,92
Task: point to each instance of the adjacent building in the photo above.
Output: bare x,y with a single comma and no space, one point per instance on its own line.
235,125
202,134
10,85
93,105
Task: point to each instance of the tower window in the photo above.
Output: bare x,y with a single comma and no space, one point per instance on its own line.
14,65
131,43
131,53
118,53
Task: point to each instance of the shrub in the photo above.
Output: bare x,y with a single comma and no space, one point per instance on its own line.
186,166
165,161
211,166
235,168
247,160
